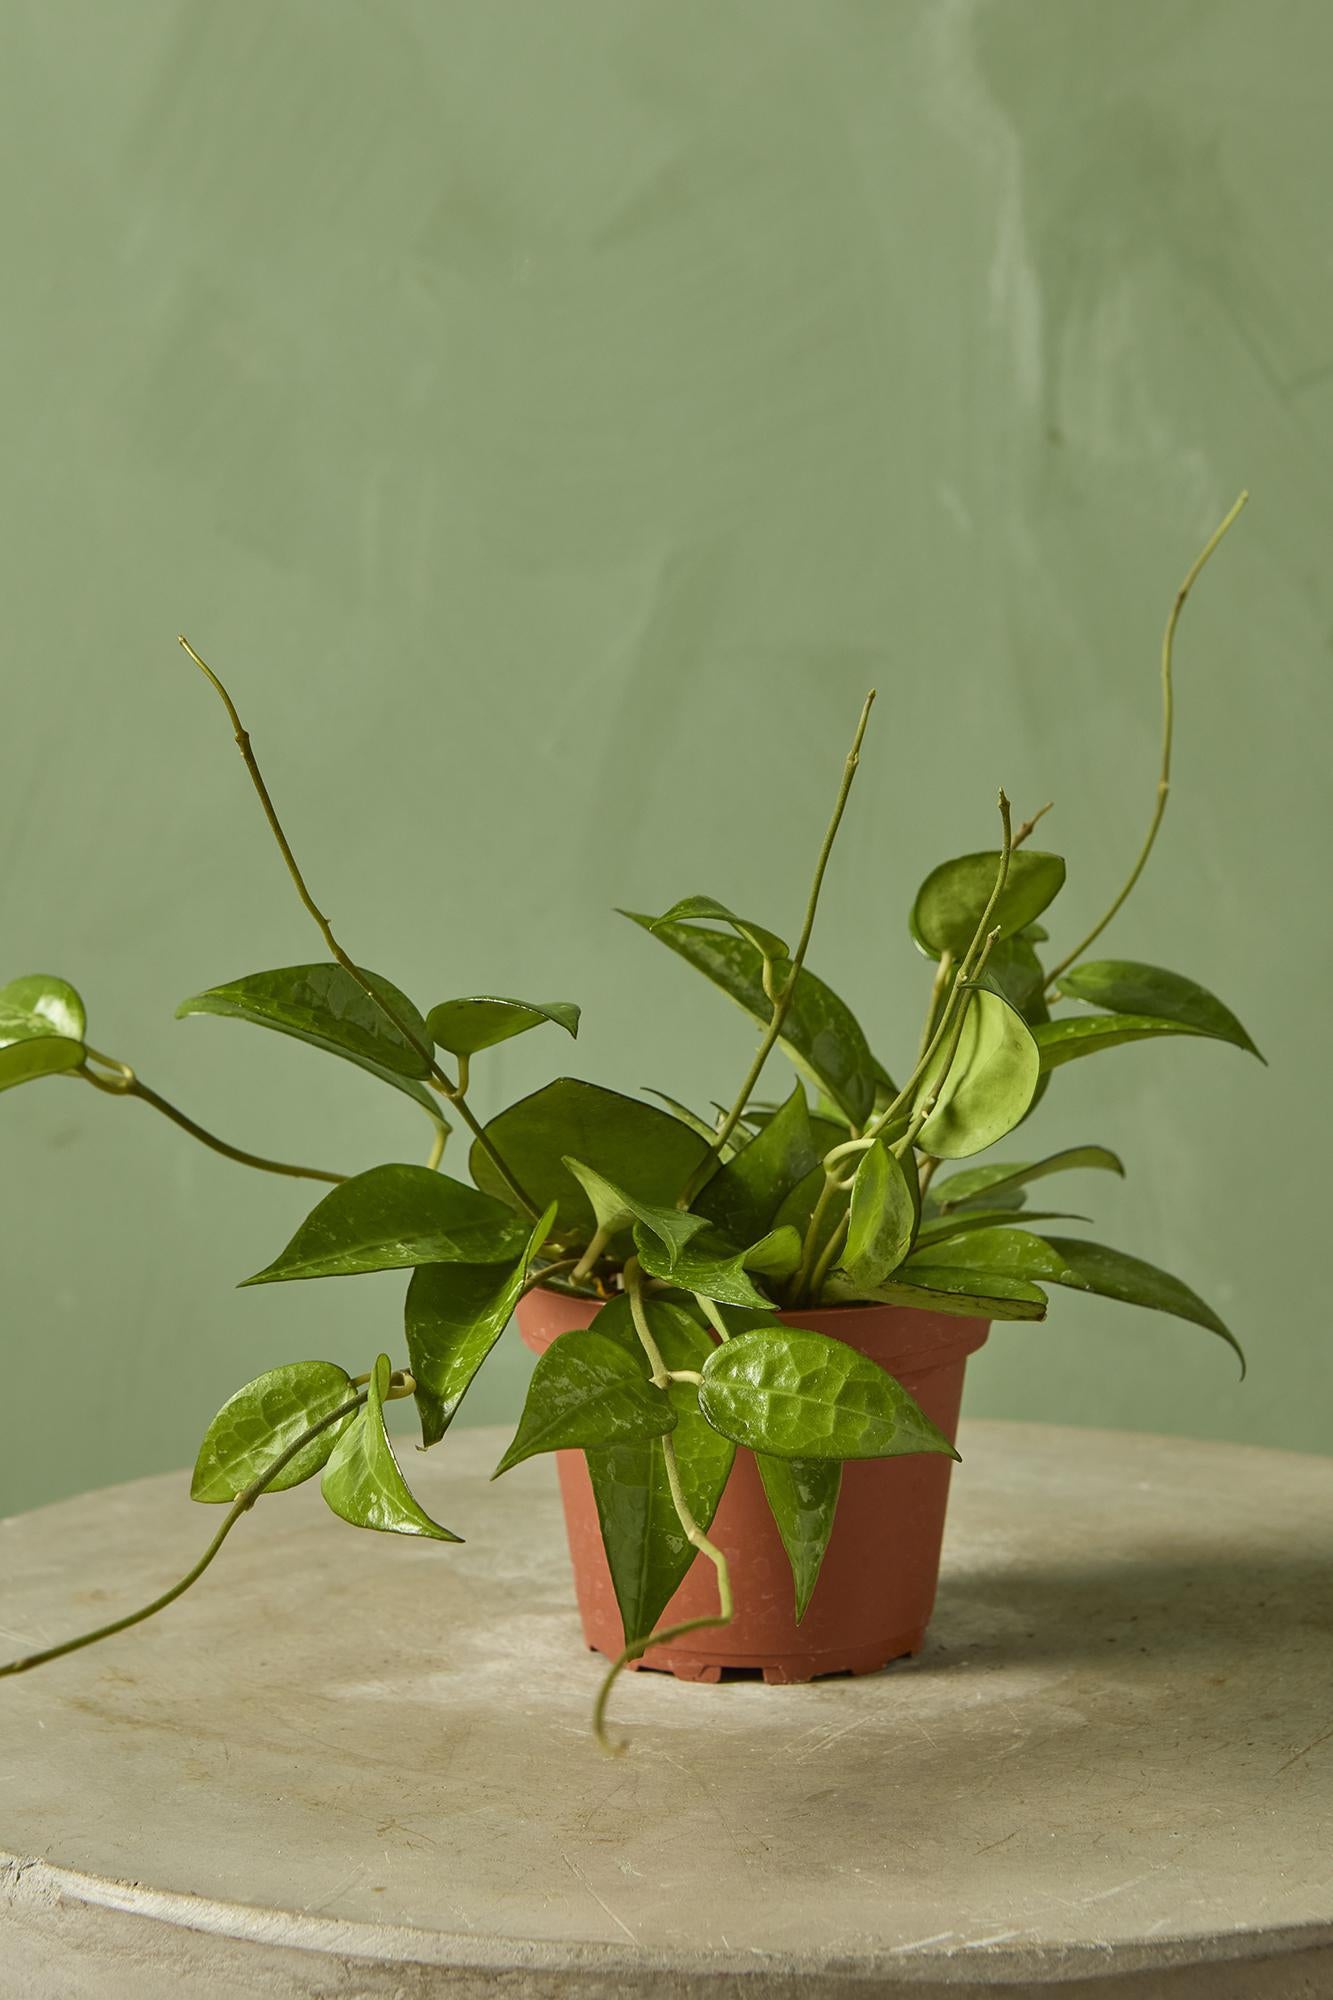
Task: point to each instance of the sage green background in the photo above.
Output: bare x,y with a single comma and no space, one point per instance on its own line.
551,418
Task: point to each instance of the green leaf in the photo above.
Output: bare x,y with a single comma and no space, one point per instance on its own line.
714,1271
988,1184
1124,987
743,1197
465,1026
362,1481
950,902
615,1211
797,1394
587,1391
802,1496
820,1035
1085,1267
797,1212
1069,1035
645,1544
41,1028
944,1228
883,1216
324,1005
395,1216
766,942
966,1292
1014,971
638,1147
990,1082
455,1313
262,1420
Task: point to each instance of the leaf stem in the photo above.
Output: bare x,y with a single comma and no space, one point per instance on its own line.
241,1505
1168,723
445,1083
127,1084
787,993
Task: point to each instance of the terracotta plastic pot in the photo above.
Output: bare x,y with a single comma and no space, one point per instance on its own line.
877,1586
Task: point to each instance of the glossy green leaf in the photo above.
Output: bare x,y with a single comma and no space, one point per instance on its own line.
802,1495
797,1394
646,1548
324,1005
950,902
261,1421
41,1028
821,1035
766,942
587,1391
395,1216
616,1211
967,1292
454,1315
883,1216
1014,971
960,1222
463,1027
743,1197
712,1271
797,1212
363,1482
990,1082
1006,1178
1084,1267
638,1147
1067,1036
1124,987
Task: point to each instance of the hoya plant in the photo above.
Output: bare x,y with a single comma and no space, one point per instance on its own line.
701,1238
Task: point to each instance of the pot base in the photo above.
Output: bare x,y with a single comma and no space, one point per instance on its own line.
775,1671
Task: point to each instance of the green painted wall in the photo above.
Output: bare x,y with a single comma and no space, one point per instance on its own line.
551,418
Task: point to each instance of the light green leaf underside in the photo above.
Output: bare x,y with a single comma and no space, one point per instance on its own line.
950,902
464,1027
989,1084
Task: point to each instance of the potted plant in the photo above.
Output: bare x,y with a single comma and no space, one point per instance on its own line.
751,1330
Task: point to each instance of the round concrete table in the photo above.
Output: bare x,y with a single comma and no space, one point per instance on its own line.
356,1766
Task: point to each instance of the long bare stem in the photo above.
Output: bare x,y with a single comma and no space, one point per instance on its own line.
1168,723
445,1083
127,1084
787,992
243,1502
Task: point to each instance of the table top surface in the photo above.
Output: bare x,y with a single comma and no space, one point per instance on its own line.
1119,1736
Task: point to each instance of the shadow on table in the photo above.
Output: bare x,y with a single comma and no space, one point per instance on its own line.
1184,1603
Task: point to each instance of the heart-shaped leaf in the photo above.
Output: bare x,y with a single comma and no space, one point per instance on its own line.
802,1496
988,1184
454,1315
965,1292
744,1196
1067,1036
798,1394
587,1391
1124,987
362,1481
465,1026
767,942
616,1211
41,1028
325,1006
261,1421
1085,1267
646,1548
883,1216
820,1034
715,1272
392,1217
950,902
636,1146
990,1082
